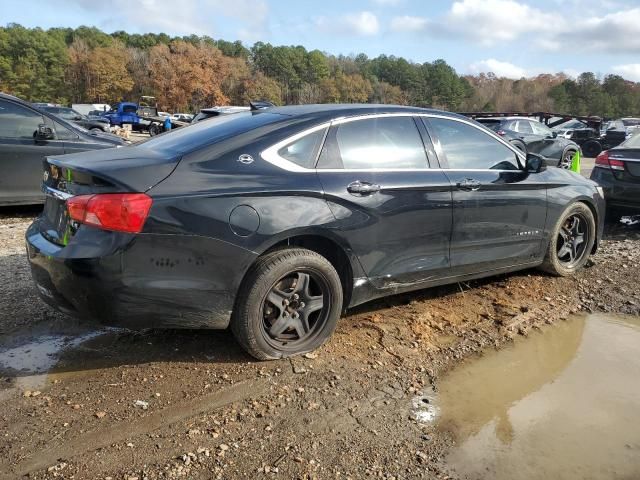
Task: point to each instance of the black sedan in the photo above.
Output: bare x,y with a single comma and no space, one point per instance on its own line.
275,221
27,136
617,171
97,124
531,136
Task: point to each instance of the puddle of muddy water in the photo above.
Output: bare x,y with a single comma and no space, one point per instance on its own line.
563,404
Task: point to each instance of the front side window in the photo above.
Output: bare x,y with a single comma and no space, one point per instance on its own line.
375,143
17,121
468,147
304,151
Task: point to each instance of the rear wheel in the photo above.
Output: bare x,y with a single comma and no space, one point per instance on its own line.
289,304
566,159
571,241
591,148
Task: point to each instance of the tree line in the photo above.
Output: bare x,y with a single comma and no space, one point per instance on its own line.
87,65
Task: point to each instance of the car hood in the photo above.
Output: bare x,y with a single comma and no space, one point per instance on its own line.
110,138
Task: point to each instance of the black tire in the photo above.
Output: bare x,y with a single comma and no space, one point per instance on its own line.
96,129
566,158
591,148
557,260
519,145
154,130
258,322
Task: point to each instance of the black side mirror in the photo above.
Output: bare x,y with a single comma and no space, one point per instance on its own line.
535,163
554,135
44,133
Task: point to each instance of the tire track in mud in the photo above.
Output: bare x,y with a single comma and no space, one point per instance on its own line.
121,431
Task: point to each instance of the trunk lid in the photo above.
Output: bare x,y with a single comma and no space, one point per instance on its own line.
631,159
131,169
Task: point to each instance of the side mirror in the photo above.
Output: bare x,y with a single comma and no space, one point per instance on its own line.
44,133
77,117
535,163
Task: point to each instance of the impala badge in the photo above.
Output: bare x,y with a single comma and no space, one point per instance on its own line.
245,159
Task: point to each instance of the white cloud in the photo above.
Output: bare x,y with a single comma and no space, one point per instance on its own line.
360,23
494,21
630,71
500,69
617,32
183,17
408,23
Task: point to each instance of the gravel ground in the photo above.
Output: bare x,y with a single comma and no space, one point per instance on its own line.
187,404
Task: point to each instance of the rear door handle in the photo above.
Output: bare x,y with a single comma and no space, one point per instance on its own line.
363,188
469,185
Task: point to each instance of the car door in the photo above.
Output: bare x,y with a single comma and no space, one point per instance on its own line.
499,209
550,146
393,209
22,154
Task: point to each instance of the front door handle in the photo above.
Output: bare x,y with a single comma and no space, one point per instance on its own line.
469,185
363,188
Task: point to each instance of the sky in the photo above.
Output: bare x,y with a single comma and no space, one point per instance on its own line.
512,38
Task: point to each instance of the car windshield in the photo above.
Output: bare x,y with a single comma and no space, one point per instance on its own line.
633,142
570,125
631,122
195,136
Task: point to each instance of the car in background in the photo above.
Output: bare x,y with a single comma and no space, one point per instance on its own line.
579,132
536,137
620,130
27,136
183,117
97,124
274,221
617,171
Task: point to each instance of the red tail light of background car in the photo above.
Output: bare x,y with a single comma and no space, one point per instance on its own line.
603,160
121,212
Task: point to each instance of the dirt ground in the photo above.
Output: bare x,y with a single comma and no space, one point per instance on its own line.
191,404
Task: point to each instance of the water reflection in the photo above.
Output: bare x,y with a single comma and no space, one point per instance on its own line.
563,404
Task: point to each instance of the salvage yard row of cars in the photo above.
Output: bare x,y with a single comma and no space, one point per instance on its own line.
273,221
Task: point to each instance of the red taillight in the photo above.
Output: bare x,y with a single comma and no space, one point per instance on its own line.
122,212
603,160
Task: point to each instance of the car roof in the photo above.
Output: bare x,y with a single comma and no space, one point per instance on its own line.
497,119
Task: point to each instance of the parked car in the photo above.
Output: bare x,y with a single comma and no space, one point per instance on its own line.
620,130
183,117
99,124
586,137
536,137
27,136
272,222
617,171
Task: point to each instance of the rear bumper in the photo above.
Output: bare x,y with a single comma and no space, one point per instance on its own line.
618,193
139,281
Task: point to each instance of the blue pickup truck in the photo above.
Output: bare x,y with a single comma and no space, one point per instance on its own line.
141,116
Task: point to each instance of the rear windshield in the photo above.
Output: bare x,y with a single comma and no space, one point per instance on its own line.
633,142
631,122
195,136
492,124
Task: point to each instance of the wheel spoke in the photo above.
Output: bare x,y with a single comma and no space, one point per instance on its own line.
579,240
277,298
314,304
279,326
564,250
301,326
302,284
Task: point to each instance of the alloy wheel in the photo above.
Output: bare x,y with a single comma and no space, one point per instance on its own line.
573,238
295,309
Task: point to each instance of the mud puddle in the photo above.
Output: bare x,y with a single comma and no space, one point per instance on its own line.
563,404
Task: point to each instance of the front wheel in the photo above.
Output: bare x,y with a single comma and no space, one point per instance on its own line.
289,304
571,241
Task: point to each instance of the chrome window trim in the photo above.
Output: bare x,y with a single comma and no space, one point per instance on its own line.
270,154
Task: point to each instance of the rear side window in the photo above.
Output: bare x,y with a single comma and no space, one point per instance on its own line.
304,151
522,126
17,121
374,143
467,147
